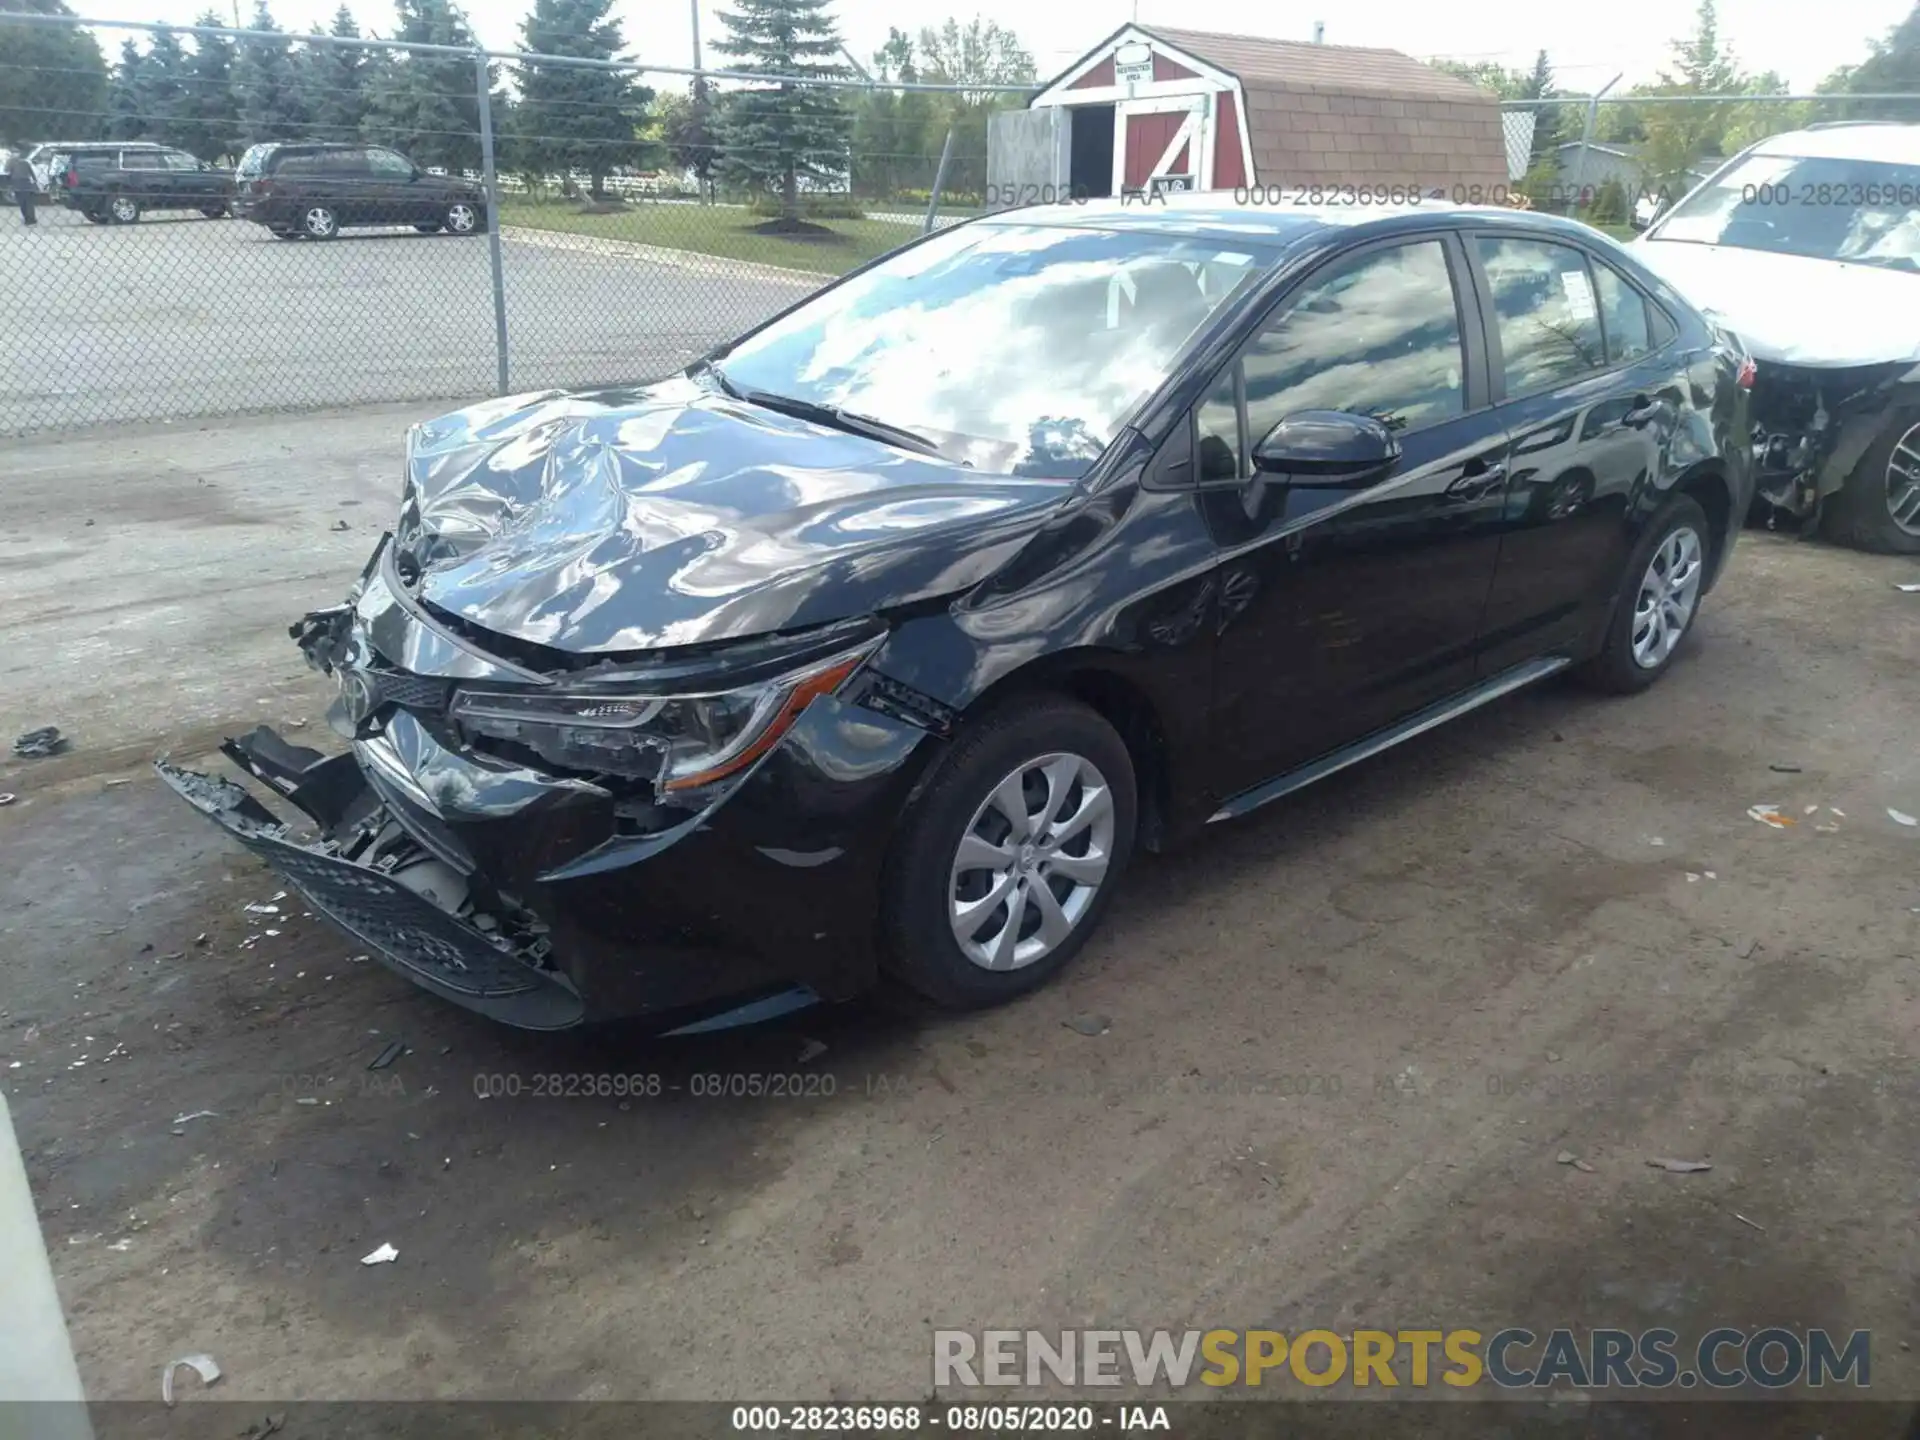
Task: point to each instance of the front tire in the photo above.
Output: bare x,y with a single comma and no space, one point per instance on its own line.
123,210
214,212
318,222
1658,600
1878,509
1010,856
463,218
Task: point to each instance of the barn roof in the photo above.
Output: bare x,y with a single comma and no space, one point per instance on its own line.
1352,69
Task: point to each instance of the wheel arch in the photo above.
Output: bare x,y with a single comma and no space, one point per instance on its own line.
1708,485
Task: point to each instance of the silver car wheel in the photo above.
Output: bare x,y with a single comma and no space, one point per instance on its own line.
1664,607
461,218
1903,482
1031,862
319,222
124,209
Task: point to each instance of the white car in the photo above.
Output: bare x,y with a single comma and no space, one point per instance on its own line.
1807,246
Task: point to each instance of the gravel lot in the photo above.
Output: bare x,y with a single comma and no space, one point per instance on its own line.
181,316
1552,927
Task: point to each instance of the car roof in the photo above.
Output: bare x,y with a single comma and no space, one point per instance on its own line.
1216,215
1863,140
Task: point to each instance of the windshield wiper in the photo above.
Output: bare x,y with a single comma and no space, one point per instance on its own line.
820,414
707,367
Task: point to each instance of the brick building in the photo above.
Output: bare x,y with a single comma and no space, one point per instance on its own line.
1154,107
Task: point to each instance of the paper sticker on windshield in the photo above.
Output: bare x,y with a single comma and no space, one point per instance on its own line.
1579,294
1232,257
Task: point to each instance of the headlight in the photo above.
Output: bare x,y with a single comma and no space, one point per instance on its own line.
680,742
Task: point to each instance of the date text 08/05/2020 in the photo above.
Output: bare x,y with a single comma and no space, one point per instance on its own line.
959,1419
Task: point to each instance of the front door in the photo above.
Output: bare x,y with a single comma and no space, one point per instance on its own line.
1158,139
1346,610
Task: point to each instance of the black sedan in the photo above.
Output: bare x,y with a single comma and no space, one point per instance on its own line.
874,644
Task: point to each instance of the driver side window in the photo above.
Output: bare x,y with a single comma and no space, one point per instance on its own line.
1375,335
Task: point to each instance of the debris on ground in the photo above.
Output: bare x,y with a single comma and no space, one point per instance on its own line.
812,1050
205,1366
341,525
1908,588
1655,840
1567,1157
255,908
261,1428
8,797
38,744
1770,815
1679,1167
1784,769
1900,817
395,1049
1744,1221
1089,1024
385,1255
195,1115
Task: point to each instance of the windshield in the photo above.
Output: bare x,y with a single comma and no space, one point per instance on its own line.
1016,348
1864,211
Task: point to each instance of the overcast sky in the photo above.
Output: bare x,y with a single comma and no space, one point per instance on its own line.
1587,43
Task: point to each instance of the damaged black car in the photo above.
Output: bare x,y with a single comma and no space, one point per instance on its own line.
1807,246
871,647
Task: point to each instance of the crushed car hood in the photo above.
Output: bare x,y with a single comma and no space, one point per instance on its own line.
1795,310
672,515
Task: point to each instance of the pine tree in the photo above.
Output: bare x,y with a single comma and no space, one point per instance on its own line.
426,105
894,138
775,136
334,80
166,88
208,121
687,128
266,85
53,84
127,95
1546,123
1892,69
574,117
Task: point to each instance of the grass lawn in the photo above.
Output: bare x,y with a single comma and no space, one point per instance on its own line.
719,230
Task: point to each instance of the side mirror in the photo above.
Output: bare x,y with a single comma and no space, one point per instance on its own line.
1328,448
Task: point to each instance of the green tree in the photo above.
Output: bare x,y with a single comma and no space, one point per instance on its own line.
166,88
53,81
895,148
687,129
982,58
1677,136
129,108
579,117
333,79
266,83
426,105
773,136
1892,69
208,119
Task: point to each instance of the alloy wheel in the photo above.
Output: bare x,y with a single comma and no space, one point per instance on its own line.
1031,861
319,223
1903,482
461,218
124,210
1668,592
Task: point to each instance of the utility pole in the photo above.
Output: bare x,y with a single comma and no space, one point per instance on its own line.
694,7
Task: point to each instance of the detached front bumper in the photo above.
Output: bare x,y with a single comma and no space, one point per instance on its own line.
543,900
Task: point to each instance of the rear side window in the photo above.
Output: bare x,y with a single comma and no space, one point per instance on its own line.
141,160
1548,315
344,162
254,161
1623,311
93,159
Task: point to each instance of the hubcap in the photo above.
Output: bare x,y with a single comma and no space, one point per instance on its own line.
1667,595
1903,482
124,210
460,217
319,222
1031,862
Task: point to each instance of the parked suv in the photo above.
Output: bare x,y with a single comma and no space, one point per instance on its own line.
117,184
316,191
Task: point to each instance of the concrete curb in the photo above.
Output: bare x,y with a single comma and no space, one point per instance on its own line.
712,266
36,1357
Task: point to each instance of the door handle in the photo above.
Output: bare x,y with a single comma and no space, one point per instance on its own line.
1476,484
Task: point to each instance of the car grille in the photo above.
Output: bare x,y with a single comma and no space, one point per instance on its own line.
411,932
422,693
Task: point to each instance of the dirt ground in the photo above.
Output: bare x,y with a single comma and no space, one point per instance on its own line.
1349,1036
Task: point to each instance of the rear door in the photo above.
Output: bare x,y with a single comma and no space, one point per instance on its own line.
1592,394
143,175
343,180
397,197
1344,610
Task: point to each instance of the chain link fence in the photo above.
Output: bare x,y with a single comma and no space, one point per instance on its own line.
1612,160
250,221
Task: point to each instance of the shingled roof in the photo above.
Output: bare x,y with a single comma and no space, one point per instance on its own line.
1344,69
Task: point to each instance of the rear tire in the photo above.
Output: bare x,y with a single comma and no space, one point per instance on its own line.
214,212
319,222
123,210
94,217
464,218
1883,486
1663,580
1070,778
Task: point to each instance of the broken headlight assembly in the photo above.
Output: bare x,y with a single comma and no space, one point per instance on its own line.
683,743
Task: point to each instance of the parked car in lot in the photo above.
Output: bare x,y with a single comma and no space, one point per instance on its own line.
873,644
1808,246
316,191
117,184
